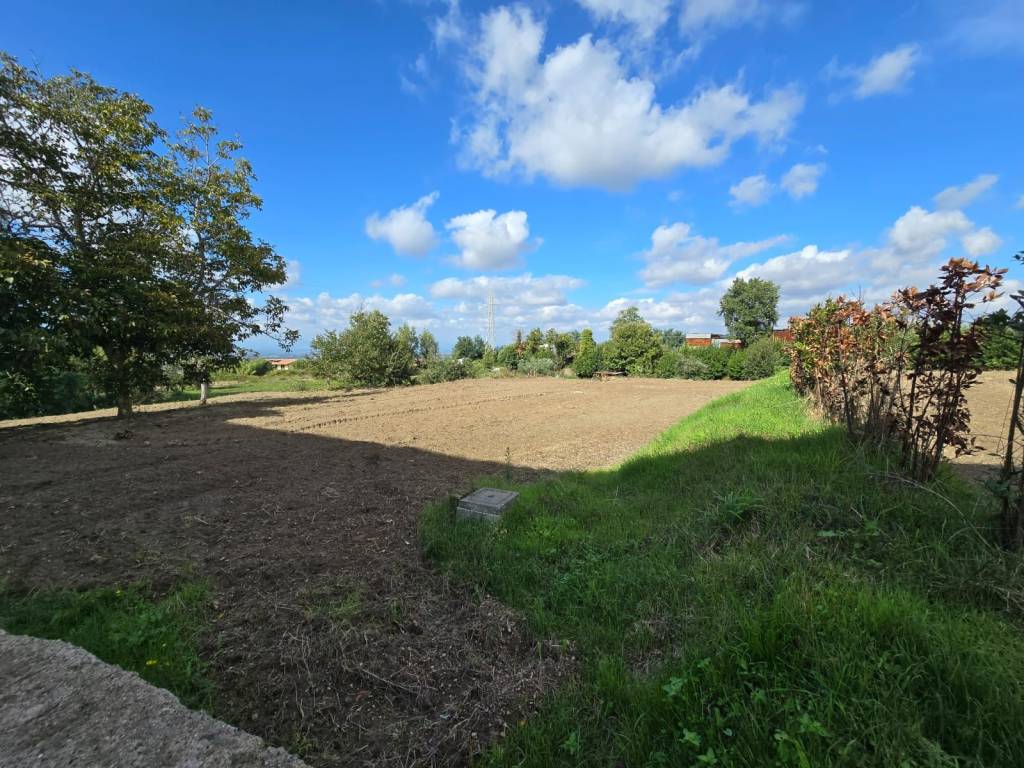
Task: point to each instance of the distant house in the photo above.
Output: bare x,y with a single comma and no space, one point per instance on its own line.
282,363
712,340
699,339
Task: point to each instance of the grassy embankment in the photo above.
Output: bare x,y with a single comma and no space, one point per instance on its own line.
157,638
751,589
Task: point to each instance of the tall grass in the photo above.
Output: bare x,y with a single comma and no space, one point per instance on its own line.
752,590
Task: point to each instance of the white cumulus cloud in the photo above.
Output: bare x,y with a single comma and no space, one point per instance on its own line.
677,255
698,16
886,73
981,242
520,289
488,240
802,179
312,315
577,117
646,16
921,235
405,229
751,191
805,273
961,197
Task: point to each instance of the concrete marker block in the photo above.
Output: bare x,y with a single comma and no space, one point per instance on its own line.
485,504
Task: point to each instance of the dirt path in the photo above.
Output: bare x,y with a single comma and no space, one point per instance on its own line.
330,634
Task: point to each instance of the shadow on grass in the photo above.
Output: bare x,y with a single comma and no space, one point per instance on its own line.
748,590
753,590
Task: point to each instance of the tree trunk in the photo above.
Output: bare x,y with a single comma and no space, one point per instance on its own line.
124,401
204,392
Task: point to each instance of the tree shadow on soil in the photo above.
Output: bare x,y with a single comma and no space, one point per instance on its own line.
328,634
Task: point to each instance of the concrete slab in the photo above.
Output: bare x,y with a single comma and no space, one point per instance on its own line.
61,706
485,504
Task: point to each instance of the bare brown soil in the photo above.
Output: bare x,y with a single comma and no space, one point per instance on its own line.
330,634
989,400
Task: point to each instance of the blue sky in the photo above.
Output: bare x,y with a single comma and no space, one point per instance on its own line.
578,157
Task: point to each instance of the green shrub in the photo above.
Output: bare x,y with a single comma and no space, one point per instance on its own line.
634,346
477,369
1000,340
668,364
736,367
508,357
588,356
588,363
367,353
51,391
537,366
763,358
704,363
693,367
440,369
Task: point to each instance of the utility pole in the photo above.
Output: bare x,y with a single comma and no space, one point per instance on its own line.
490,317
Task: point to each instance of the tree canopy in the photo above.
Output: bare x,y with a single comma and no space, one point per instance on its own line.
367,353
469,348
634,346
750,308
119,246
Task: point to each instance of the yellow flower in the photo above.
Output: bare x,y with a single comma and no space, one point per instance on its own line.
151,662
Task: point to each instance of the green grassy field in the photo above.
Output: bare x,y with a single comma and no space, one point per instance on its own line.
752,589
155,637
268,383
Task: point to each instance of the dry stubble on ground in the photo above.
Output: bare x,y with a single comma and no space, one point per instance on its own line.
329,633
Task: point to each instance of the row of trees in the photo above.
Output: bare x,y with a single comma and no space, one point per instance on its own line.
749,309
124,250
370,353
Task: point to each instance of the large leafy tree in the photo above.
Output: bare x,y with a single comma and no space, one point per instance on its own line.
469,348
366,354
750,308
114,251
220,263
428,345
634,346
79,176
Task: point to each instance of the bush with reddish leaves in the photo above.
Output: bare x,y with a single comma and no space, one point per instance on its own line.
897,374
